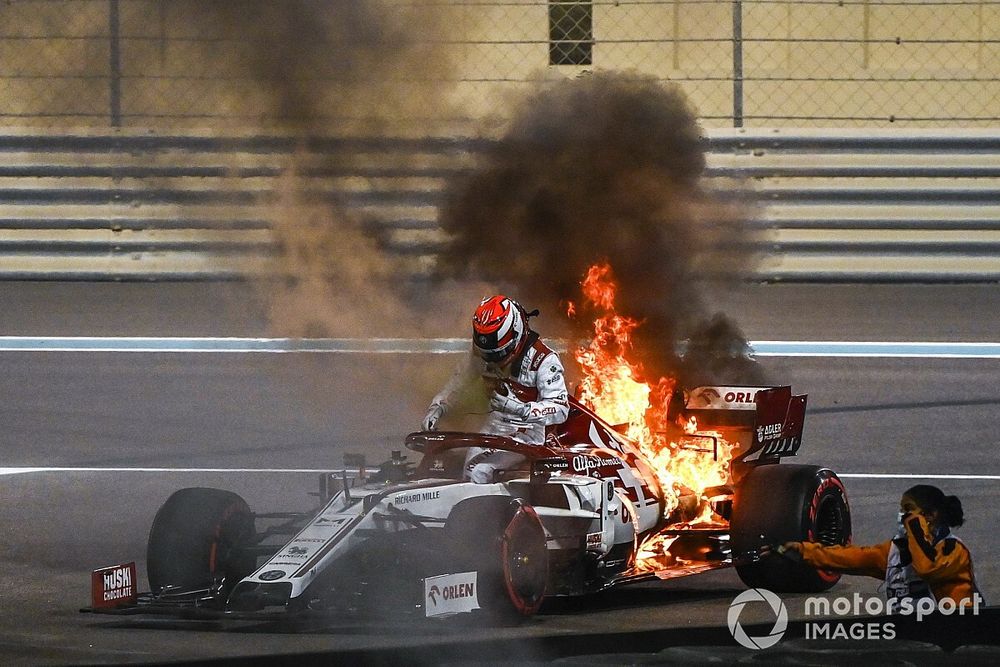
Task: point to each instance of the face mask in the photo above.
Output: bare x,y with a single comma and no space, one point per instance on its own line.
900,528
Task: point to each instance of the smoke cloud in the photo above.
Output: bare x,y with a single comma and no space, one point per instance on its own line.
312,68
608,168
317,69
604,167
317,66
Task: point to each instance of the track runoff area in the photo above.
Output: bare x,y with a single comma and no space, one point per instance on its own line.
764,348
228,345
234,345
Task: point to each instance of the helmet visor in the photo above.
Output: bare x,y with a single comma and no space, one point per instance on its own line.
492,350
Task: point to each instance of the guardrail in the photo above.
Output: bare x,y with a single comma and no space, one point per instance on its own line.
838,205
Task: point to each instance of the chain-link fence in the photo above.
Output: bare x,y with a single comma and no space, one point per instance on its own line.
251,63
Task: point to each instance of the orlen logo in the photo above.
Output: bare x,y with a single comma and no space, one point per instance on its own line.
740,397
453,592
449,594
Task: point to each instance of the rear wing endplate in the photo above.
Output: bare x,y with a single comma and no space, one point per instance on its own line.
778,425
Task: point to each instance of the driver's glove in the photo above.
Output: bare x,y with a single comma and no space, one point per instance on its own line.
509,405
433,415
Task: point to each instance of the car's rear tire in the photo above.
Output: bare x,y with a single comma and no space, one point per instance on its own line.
198,536
504,542
788,503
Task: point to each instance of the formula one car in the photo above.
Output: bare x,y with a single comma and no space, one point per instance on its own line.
584,513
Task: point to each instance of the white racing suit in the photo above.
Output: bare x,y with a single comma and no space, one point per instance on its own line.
538,377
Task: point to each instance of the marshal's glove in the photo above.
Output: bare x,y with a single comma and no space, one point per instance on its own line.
509,405
433,415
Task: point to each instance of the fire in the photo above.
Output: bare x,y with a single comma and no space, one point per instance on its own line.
686,460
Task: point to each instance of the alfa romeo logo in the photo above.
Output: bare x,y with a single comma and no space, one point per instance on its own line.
780,622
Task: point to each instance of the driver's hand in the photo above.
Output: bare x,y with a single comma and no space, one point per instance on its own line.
509,405
433,415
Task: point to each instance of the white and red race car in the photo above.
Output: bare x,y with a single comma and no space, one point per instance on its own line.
584,513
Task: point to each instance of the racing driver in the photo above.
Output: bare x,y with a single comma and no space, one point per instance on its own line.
526,378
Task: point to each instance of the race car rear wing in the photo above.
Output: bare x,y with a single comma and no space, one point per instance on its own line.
772,415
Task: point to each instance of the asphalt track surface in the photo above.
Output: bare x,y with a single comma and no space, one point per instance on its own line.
122,414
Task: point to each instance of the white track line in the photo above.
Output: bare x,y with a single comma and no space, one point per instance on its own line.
242,345
894,349
764,348
879,475
20,471
279,471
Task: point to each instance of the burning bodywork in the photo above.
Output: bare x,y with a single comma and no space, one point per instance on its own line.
590,509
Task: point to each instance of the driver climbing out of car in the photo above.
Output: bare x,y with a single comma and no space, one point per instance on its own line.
923,559
525,376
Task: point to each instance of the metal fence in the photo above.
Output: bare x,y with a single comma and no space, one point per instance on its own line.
254,63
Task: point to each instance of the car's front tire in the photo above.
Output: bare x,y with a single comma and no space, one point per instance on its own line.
199,536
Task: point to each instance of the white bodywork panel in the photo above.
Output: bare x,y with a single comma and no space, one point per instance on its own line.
596,513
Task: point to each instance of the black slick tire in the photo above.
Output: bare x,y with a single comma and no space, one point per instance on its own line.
504,542
198,536
780,503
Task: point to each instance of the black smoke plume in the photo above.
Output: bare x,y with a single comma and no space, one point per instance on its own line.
316,66
608,168
308,69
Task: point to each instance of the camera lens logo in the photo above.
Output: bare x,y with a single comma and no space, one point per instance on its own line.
776,605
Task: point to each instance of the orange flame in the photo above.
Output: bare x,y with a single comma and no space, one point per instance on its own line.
612,385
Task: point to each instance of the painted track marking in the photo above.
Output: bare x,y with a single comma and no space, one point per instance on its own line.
278,471
765,348
900,349
890,475
233,345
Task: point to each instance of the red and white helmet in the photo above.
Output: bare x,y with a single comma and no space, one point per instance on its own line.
499,328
